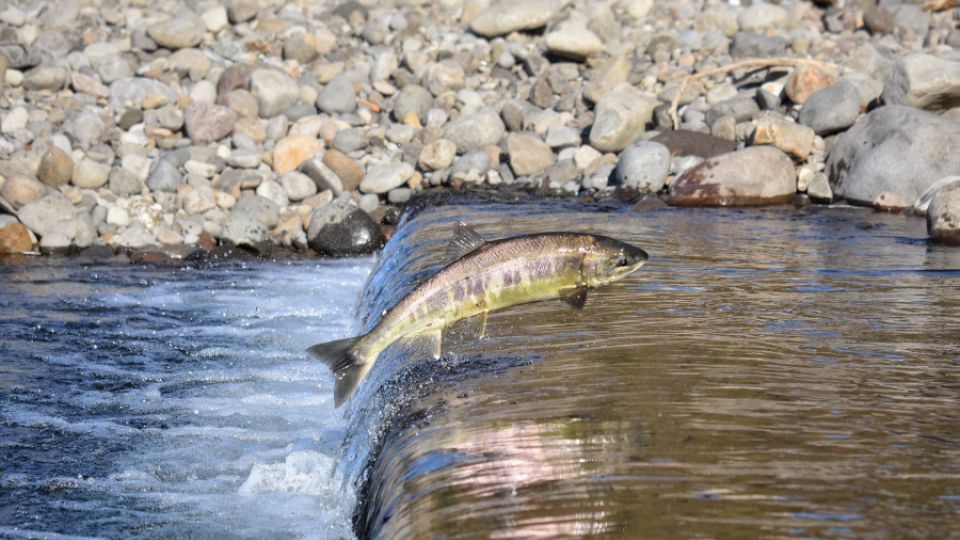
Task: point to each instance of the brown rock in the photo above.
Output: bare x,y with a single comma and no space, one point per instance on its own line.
792,138
349,171
694,143
291,151
56,167
528,154
21,190
806,80
758,175
15,238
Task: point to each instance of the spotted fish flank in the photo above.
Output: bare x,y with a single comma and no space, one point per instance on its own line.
483,277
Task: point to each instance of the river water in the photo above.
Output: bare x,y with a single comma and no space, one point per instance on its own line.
769,373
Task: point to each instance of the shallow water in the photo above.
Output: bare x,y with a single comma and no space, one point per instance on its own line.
769,373
145,402
774,373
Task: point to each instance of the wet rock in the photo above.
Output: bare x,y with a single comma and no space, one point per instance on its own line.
794,139
275,91
831,109
20,190
476,130
643,166
758,175
355,234
925,82
807,79
437,155
693,143
206,123
893,149
621,117
291,151
528,154
383,177
15,238
56,167
943,215
338,96
506,16
90,174
178,33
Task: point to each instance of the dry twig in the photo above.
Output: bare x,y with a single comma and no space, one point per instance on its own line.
743,64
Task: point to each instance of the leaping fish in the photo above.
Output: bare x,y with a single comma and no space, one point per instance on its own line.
482,277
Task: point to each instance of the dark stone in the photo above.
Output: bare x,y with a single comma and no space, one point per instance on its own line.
356,234
130,118
97,252
878,21
693,143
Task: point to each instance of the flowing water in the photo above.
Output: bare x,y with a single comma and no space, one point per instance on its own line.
769,373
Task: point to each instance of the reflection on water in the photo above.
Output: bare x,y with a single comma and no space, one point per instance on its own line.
768,373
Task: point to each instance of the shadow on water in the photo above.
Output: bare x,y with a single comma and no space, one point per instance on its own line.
775,372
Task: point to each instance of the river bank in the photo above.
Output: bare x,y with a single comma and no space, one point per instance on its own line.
261,127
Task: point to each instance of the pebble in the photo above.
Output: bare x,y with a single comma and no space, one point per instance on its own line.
510,16
15,238
528,154
56,167
943,215
621,117
291,151
437,155
643,166
15,119
338,96
383,177
476,130
164,178
45,78
124,183
206,123
355,234
274,91
759,175
573,41
89,174
411,102
178,33
298,186
348,170
806,79
774,129
20,190
761,16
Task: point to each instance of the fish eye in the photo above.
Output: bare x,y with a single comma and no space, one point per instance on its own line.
622,260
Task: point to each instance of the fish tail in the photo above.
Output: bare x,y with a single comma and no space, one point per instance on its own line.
346,363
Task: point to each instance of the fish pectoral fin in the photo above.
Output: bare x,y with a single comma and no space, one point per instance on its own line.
430,341
476,327
575,296
465,240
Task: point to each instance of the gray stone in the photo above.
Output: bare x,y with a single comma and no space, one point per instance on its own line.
574,42
244,158
16,119
621,117
831,109
925,82
444,76
275,91
206,123
399,195
322,175
643,166
943,214
45,78
383,177
437,155
273,191
333,212
338,96
761,16
740,108
752,45
239,11
170,117
412,100
894,150
164,177
473,131
244,227
178,33
509,16
133,90
607,76
297,185
910,18
477,161
757,175
264,210
53,215
124,183
90,174
350,140
86,128
559,137
819,189
528,154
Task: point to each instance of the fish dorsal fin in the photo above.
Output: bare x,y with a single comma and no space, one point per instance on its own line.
575,296
464,241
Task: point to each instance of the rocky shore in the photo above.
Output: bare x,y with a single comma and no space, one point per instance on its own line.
261,124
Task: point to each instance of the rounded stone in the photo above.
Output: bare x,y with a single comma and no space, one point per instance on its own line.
178,33
414,101
643,166
437,155
291,151
943,215
297,185
56,167
338,96
757,175
275,91
831,109
383,177
90,174
355,234
473,131
206,123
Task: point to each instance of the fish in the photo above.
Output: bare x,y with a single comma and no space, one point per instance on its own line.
480,277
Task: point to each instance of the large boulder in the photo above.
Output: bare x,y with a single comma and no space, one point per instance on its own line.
893,153
923,81
943,215
758,175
